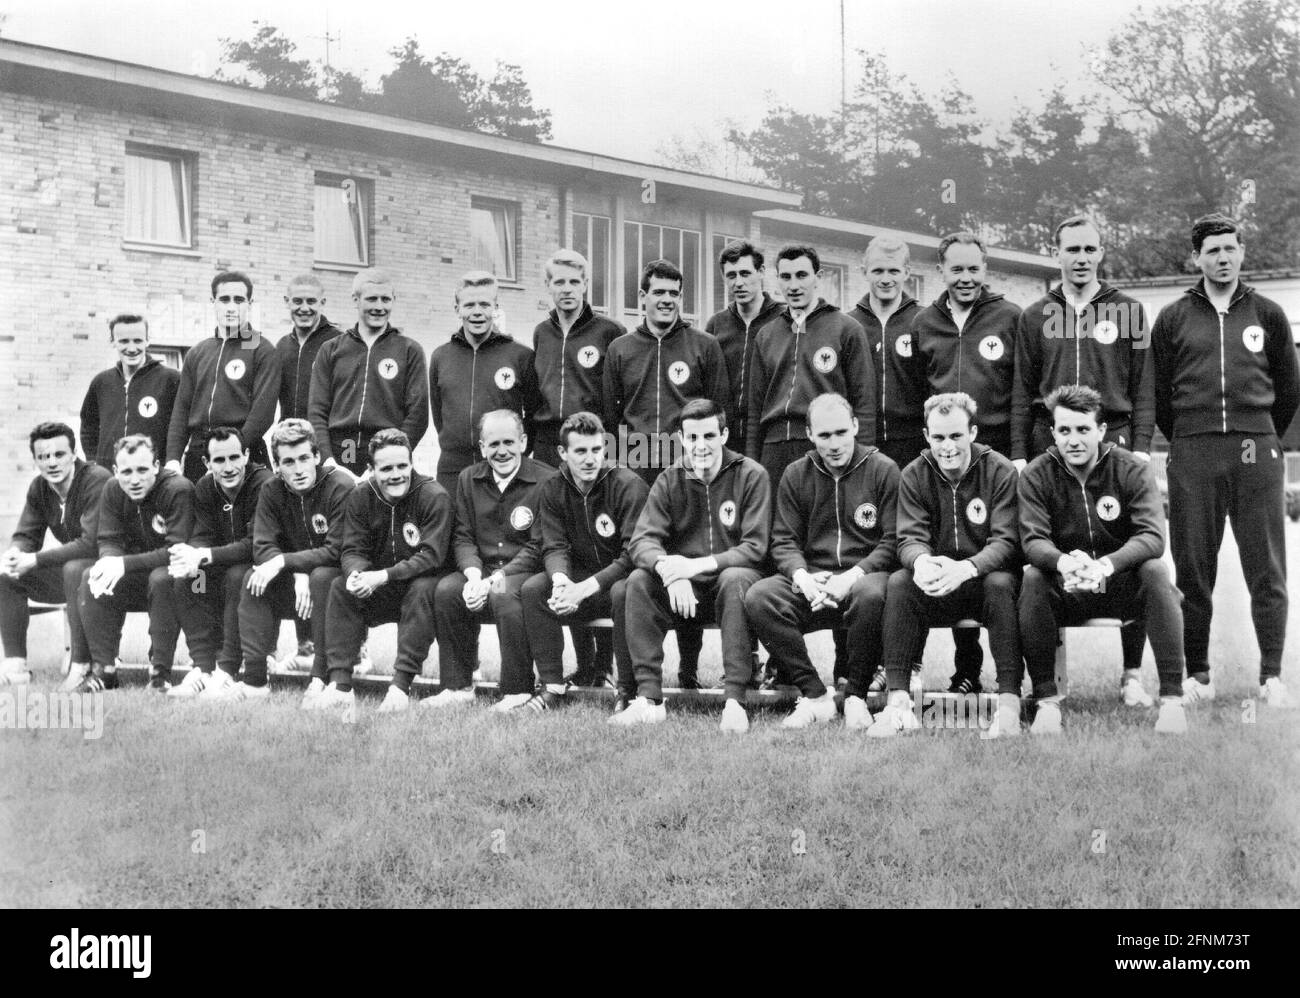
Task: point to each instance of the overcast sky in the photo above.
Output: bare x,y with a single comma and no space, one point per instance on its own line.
618,81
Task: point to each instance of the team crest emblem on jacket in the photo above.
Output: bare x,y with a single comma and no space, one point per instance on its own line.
158,523
605,525
678,372
903,345
824,360
976,511
504,378
388,369
727,513
1106,333
148,407
991,347
865,516
1253,338
521,518
588,357
235,369
319,523
1108,508
411,534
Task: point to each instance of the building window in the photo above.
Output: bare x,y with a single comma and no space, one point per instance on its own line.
914,285
832,284
644,243
173,357
342,219
492,236
719,285
159,197
591,238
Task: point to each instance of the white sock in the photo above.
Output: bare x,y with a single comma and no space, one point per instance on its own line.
556,688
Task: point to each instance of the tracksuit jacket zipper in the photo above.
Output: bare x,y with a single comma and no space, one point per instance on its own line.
216,376
839,524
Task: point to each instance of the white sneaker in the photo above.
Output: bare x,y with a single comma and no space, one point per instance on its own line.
1172,719
192,685
1133,693
1275,694
640,711
734,719
14,672
1194,690
331,696
808,711
219,686
897,716
1006,721
363,664
509,702
314,689
1047,719
395,701
857,717
76,673
448,698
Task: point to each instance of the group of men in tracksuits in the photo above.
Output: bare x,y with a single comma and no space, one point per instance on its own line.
792,467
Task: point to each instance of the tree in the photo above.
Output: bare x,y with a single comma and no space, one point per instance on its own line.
270,56
419,89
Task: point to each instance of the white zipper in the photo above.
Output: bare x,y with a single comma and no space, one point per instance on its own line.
839,526
216,377
794,371
1223,375
365,384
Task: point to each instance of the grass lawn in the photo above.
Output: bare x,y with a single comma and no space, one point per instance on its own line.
214,805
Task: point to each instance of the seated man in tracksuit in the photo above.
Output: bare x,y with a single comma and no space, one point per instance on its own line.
588,514
1092,527
834,544
209,569
63,499
699,545
297,536
396,528
494,544
959,545
142,512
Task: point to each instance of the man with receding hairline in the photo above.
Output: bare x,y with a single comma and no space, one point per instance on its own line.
305,298
135,395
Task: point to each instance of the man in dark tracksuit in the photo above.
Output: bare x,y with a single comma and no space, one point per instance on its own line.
834,544
64,499
297,537
396,528
1092,528
496,551
298,348
587,513
1226,390
141,513
368,379
699,545
736,329
135,395
232,379
959,543
208,571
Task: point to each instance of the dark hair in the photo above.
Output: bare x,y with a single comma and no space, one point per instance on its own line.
794,251
1076,398
221,434
584,424
387,438
965,239
1072,222
48,431
132,443
665,270
129,319
232,277
702,409
1213,224
738,248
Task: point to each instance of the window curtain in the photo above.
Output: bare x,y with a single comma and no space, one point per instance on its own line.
155,200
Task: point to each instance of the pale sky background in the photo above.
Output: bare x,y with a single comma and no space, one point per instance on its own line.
618,80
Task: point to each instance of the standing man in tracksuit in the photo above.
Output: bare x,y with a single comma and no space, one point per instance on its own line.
650,374
1226,389
588,514
209,568
135,395
297,349
368,379
699,544
967,343
834,544
63,499
496,551
1092,528
1086,332
142,512
232,379
297,536
959,543
736,329
396,528
479,370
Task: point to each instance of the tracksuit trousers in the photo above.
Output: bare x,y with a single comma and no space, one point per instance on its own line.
50,584
458,628
544,626
260,616
208,606
102,617
408,603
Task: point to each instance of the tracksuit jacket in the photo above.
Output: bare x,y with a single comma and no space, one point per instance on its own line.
589,534
1117,512
974,520
72,522
649,379
1232,373
140,533
296,362
727,518
571,366
1054,346
306,529
225,382
824,523
226,525
359,390
464,383
901,388
495,529
115,408
408,537
980,360
789,370
737,342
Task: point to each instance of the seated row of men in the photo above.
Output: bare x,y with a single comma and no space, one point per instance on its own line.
851,544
